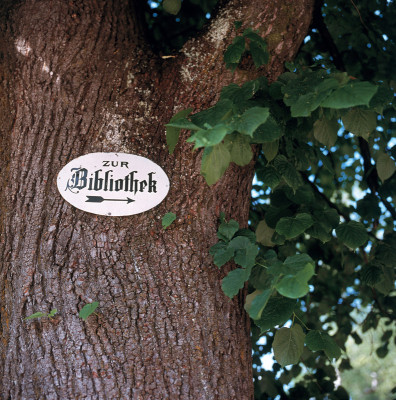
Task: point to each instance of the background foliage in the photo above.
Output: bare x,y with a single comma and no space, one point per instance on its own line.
319,256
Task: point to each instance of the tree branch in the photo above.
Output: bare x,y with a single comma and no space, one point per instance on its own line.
284,28
319,24
326,199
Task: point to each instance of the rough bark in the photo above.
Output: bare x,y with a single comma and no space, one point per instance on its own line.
77,77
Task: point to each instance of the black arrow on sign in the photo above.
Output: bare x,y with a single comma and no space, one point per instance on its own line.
100,199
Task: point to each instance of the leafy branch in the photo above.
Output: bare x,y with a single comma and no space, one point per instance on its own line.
293,120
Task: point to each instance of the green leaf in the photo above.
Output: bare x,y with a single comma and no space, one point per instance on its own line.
318,231
239,95
385,250
318,340
237,24
215,161
260,278
277,312
172,133
368,207
371,274
278,239
259,53
288,345
305,92
296,263
167,219
52,313
353,234
172,6
360,122
307,103
328,217
264,234
325,131
382,98
267,132
239,148
234,52
274,214
295,286
221,253
234,281
351,95
245,251
36,315
387,282
247,233
183,123
257,47
227,230
256,302
215,115
385,166
208,137
288,172
88,309
303,195
269,176
326,162
250,120
290,227
270,150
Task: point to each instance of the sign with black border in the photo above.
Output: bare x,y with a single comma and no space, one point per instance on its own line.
113,184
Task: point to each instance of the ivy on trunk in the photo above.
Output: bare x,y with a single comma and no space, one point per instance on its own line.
77,78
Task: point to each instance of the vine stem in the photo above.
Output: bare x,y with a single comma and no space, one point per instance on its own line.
296,316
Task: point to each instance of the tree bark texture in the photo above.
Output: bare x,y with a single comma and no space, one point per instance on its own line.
78,77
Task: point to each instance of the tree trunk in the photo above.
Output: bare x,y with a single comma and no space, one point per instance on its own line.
78,77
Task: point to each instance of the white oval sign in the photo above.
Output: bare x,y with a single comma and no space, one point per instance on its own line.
113,184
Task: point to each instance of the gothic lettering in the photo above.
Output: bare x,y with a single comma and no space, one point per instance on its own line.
105,181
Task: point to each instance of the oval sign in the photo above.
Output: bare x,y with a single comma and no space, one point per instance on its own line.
113,184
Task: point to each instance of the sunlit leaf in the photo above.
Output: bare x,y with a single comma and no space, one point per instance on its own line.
215,161
296,285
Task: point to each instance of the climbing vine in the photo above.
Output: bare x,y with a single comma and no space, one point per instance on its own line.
310,245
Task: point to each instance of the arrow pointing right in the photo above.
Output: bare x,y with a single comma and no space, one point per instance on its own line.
100,199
